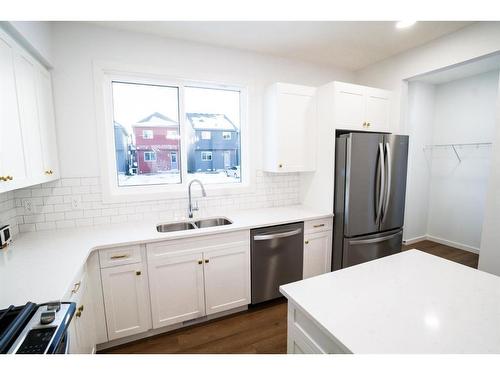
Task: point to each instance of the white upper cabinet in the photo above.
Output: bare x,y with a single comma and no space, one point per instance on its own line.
12,168
47,123
362,108
290,128
28,153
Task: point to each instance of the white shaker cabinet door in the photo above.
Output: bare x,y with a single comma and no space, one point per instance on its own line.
317,253
11,143
227,277
47,124
378,109
126,300
349,106
176,284
28,113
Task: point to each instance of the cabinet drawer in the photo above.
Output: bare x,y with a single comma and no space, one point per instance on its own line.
318,225
119,256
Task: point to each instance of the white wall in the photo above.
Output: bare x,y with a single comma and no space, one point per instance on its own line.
489,258
421,97
35,36
464,112
76,45
469,43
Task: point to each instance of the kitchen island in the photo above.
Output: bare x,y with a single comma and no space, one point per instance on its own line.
411,302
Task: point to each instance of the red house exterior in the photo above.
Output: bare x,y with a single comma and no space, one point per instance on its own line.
157,144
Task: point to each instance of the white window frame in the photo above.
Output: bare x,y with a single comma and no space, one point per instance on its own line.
149,153
149,131
226,136
206,154
107,72
170,134
206,135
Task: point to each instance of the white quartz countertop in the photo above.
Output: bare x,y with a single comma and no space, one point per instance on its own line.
411,302
41,266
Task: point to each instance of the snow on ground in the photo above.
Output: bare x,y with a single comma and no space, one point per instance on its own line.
174,178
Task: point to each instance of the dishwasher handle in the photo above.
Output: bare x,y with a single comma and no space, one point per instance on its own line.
265,237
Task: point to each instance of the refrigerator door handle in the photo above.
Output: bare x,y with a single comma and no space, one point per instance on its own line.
382,182
372,240
389,175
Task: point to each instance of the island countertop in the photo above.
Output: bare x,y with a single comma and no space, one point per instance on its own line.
411,302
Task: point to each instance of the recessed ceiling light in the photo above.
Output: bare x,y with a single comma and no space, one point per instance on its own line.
404,24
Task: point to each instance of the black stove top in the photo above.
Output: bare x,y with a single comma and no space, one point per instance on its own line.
35,329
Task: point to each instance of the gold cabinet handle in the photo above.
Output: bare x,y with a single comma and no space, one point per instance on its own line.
10,178
76,287
306,242
367,124
121,256
47,172
318,225
78,314
80,308
200,262
280,165
138,273
207,260
3,178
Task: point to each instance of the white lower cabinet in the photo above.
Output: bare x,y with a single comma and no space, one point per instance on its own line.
195,277
126,300
82,337
227,274
317,247
176,285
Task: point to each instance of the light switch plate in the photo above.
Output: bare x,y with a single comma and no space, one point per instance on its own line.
76,202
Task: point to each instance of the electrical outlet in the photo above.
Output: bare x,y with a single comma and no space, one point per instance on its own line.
76,202
28,206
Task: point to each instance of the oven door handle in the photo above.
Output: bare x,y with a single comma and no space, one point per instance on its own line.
265,237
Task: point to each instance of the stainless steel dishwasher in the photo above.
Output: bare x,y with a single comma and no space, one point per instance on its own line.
277,259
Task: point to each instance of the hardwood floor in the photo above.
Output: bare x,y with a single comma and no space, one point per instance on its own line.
260,330
447,252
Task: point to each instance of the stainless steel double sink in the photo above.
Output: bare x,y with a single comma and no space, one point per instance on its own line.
187,225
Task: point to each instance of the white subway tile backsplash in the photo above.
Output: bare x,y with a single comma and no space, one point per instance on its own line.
52,203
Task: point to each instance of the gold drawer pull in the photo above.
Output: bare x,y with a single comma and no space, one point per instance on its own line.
10,178
76,288
121,256
318,225
200,262
207,260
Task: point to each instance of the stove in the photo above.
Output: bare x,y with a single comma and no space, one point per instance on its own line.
36,329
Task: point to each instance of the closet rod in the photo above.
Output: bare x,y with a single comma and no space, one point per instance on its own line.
455,145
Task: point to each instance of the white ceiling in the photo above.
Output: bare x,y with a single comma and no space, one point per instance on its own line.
345,44
462,70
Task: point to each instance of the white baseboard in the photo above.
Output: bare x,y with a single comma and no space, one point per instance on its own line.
411,241
458,245
442,241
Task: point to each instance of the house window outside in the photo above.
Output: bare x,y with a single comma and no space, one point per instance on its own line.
206,156
146,114
172,134
147,134
149,156
152,142
217,112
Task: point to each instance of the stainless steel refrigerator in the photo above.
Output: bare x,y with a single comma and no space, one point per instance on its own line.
370,187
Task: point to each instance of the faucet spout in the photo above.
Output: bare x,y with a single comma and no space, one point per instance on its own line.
192,208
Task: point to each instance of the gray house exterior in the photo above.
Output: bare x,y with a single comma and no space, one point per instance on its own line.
214,143
121,144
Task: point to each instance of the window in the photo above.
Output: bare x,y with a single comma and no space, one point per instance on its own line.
172,134
168,133
139,112
206,156
216,111
147,134
149,156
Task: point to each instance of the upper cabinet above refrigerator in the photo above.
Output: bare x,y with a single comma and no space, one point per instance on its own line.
361,108
290,136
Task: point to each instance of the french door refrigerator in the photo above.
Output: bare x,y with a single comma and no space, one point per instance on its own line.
370,186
